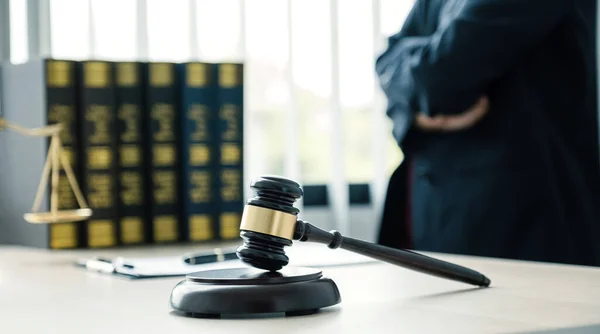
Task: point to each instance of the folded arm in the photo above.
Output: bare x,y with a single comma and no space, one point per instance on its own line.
451,69
400,94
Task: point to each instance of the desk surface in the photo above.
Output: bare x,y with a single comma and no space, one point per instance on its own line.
42,292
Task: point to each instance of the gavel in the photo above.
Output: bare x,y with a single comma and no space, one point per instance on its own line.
270,223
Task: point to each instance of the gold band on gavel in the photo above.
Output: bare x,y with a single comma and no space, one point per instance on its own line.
268,221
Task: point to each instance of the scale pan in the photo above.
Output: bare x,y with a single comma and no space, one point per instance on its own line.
62,216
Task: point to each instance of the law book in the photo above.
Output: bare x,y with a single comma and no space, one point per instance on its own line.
98,151
163,151
38,93
230,125
199,151
131,114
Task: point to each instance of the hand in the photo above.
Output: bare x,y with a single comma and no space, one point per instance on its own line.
454,122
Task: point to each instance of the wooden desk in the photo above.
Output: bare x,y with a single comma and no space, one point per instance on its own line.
42,292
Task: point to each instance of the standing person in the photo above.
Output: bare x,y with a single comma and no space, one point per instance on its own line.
494,104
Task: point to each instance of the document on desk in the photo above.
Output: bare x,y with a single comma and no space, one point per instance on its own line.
305,255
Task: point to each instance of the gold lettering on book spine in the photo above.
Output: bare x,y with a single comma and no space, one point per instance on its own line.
63,235
100,190
229,75
199,155
131,156
201,228
165,228
164,154
127,74
200,185
130,115
161,74
99,118
229,114
99,158
96,74
230,225
231,154
101,233
131,188
198,114
164,187
163,115
132,230
59,73
197,75
231,180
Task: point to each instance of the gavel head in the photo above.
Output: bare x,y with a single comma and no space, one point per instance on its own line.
269,222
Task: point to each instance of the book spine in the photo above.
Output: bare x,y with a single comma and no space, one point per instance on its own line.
61,102
198,148
132,199
231,134
163,152
98,152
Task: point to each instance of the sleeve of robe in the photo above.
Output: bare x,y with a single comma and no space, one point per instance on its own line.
446,72
401,99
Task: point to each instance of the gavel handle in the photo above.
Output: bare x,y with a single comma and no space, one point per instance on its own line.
404,258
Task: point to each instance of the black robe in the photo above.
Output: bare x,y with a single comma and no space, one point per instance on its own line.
524,182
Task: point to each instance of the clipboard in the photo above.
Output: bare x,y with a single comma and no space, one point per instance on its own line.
155,267
306,255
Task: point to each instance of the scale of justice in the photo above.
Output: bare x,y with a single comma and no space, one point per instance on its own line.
269,224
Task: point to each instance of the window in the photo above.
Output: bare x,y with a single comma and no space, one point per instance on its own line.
313,108
18,31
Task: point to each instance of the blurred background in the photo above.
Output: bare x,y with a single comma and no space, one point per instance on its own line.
312,107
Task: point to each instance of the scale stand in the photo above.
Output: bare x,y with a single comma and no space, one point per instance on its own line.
54,161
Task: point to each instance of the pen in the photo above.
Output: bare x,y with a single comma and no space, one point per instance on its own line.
217,255
100,265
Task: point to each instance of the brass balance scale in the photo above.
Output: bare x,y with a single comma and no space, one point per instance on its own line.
55,159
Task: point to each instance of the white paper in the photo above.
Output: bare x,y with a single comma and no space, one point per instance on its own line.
300,254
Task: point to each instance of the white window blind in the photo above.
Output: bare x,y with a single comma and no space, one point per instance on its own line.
18,31
314,111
